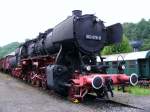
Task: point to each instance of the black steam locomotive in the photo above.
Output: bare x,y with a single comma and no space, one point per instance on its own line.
67,58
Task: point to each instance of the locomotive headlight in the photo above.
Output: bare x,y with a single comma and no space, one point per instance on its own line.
88,68
123,67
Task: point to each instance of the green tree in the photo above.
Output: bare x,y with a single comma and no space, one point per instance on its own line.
138,31
7,49
122,47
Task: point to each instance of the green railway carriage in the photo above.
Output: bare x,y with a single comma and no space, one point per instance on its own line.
135,62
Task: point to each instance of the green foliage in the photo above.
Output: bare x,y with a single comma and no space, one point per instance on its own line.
8,48
139,31
135,90
132,31
139,91
122,47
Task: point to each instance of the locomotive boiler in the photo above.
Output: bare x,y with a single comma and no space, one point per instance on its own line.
67,58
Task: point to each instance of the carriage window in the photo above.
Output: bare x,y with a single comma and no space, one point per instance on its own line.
132,64
107,63
114,64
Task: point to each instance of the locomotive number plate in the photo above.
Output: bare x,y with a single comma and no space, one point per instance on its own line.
93,37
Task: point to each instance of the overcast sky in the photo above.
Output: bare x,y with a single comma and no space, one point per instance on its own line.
22,19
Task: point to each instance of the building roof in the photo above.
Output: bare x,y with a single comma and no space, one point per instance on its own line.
128,56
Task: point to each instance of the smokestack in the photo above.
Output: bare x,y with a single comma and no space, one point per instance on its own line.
77,12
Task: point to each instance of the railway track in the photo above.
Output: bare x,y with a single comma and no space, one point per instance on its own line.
113,102
119,103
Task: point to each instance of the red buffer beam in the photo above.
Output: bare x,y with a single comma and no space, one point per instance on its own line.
98,80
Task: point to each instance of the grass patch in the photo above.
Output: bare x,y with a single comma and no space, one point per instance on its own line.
139,91
135,90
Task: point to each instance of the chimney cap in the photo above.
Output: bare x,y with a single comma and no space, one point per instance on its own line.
77,12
